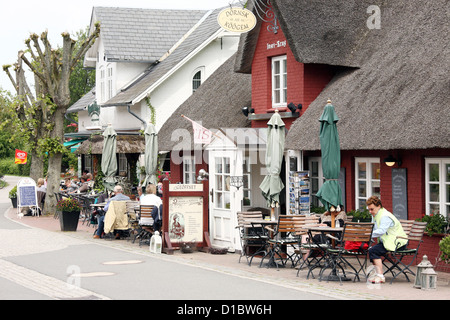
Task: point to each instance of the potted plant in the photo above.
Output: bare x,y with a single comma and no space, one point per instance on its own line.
436,223
13,196
360,215
444,245
70,213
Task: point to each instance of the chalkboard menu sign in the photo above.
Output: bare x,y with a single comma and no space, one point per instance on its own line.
26,191
399,193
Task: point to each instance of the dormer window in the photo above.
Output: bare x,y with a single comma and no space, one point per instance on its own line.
197,78
279,81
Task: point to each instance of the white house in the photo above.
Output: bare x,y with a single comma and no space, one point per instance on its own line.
148,62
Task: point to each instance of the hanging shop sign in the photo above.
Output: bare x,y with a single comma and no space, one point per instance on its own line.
236,19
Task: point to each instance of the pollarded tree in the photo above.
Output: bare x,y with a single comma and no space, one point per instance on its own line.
52,69
27,117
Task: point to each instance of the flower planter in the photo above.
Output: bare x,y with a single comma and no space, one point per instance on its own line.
68,220
14,202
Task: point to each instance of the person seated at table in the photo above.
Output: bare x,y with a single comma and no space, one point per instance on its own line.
84,187
87,175
118,196
325,221
70,185
387,228
41,185
341,217
150,198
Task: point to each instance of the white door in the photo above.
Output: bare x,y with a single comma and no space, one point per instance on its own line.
224,202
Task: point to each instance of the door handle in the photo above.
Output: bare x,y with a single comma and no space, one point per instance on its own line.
211,194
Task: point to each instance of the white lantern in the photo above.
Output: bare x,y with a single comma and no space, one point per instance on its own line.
429,278
420,268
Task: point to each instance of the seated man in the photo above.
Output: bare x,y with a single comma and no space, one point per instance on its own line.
150,198
118,196
157,218
84,187
387,228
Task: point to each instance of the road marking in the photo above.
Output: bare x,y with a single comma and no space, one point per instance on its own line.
122,262
44,284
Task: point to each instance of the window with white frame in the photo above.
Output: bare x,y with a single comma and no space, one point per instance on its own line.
188,170
222,177
367,184
196,81
109,82
102,84
437,189
197,78
123,163
279,81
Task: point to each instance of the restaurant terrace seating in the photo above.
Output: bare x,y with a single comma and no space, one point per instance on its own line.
283,236
251,234
414,231
358,233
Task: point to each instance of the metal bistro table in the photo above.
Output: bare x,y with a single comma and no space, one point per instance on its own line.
329,262
265,223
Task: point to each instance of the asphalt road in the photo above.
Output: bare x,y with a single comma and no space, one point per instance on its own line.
37,264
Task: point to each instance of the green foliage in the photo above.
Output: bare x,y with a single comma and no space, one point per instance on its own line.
436,223
444,245
360,214
317,209
52,146
13,192
152,110
7,166
68,205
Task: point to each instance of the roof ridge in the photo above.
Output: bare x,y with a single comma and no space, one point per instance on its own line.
185,36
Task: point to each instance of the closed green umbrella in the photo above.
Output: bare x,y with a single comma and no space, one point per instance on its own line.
151,154
330,192
109,160
272,184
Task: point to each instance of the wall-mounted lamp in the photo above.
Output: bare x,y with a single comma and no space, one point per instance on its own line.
291,106
391,161
246,111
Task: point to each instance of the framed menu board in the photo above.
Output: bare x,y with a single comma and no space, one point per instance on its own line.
185,215
27,194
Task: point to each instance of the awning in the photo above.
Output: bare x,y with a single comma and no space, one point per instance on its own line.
125,144
73,144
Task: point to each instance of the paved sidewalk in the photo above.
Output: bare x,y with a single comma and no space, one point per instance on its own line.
228,263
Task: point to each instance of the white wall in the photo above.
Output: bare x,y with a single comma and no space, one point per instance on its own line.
169,95
165,98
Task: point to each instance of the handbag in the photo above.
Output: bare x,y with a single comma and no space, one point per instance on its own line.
355,245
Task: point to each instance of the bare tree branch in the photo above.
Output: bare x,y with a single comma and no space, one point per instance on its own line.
86,45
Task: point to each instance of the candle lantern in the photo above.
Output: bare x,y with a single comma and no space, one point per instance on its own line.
420,268
429,278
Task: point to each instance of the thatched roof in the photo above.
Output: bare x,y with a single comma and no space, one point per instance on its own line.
217,103
396,96
125,144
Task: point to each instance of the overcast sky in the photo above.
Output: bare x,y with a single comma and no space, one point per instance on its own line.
22,17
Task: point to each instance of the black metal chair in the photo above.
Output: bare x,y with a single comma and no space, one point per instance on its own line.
414,231
284,236
359,233
145,231
252,234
